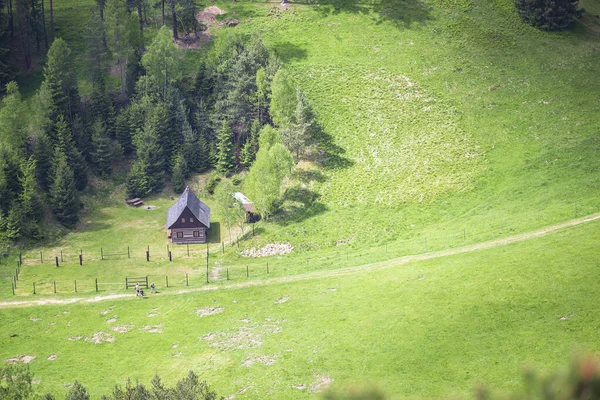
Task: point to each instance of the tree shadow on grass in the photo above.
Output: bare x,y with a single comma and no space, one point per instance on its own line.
330,155
300,204
401,13
214,233
287,51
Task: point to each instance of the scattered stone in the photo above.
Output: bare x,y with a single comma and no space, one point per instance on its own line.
245,320
178,354
301,386
74,338
52,357
243,390
268,250
264,360
26,359
234,301
51,323
36,381
282,300
332,289
34,319
175,346
321,383
566,317
112,320
206,311
100,337
152,328
121,328
106,310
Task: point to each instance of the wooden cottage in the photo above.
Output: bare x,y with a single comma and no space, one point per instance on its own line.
188,220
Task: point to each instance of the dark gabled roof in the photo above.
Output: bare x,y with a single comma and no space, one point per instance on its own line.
188,199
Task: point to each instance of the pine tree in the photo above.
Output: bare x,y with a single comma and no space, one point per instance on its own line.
224,161
101,154
12,118
60,82
251,146
42,153
146,173
29,201
63,193
179,173
74,158
123,131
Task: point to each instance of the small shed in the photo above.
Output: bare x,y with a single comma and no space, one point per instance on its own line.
251,215
188,220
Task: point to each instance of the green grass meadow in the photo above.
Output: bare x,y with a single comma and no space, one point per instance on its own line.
427,329
446,123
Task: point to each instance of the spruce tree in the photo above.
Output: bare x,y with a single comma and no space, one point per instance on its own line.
42,153
101,153
179,173
224,156
60,82
123,131
63,193
191,150
29,201
250,148
12,118
74,158
146,173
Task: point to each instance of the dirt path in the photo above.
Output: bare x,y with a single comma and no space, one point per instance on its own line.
332,273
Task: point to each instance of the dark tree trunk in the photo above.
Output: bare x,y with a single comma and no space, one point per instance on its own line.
24,33
139,10
51,22
11,20
174,15
36,32
44,26
163,11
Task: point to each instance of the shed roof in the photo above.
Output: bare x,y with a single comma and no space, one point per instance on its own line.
188,199
246,203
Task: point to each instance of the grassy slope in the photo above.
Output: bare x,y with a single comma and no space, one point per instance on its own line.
428,329
442,118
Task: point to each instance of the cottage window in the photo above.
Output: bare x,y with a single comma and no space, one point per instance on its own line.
179,234
196,233
191,219
182,219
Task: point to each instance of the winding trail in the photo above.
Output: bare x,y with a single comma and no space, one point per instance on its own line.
395,262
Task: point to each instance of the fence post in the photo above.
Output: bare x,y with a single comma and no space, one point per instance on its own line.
54,287
20,257
227,273
167,280
147,255
126,283
56,259
170,257
187,282
128,254
75,285
13,288
207,272
96,284
222,247
247,272
168,252
41,258
101,254
146,281
188,249
15,279
33,287
80,259
267,267
17,273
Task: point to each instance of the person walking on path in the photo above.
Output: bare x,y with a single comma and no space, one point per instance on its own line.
137,289
153,288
